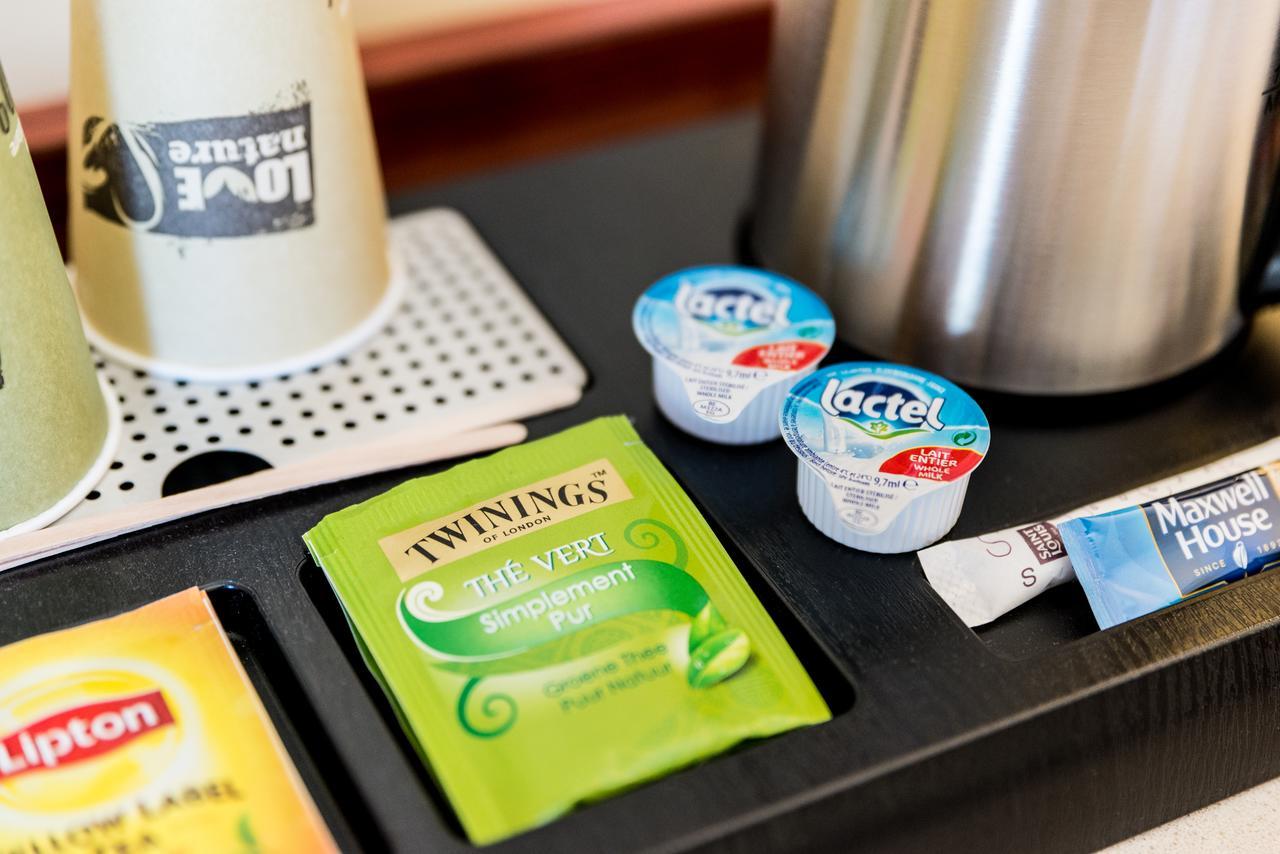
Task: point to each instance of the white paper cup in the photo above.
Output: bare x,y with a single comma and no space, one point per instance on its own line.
227,212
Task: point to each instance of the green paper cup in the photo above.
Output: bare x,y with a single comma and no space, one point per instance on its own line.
227,212
57,430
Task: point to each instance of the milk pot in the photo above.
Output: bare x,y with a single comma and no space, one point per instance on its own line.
1032,196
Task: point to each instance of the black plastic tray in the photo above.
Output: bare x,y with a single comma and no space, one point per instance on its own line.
1038,732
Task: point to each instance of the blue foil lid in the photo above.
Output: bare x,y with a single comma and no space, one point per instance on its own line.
733,318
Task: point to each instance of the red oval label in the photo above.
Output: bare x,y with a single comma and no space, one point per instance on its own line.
781,355
933,463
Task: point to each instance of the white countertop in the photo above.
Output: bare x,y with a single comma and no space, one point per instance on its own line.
1247,822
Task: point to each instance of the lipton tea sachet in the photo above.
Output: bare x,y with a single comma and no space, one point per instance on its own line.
556,623
142,733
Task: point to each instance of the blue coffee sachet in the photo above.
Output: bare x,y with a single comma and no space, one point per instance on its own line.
1146,557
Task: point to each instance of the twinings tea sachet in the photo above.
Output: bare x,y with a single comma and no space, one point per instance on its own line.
556,623
142,733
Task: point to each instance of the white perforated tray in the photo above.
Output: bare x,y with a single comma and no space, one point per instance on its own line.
466,334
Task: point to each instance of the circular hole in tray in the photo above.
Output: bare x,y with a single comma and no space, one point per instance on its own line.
209,468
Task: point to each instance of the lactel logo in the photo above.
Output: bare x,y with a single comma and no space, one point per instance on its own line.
732,310
881,408
82,733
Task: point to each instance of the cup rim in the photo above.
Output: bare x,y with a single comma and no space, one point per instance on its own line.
397,284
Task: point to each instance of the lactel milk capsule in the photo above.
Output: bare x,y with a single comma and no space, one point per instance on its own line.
727,342
885,453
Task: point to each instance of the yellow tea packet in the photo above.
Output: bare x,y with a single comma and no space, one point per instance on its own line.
142,733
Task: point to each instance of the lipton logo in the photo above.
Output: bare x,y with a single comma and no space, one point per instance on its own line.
733,310
880,409
81,733
502,518
218,177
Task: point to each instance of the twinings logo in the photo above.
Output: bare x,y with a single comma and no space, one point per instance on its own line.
219,177
82,733
880,408
732,310
503,518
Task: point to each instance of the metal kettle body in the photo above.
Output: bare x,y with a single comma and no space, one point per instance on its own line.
1035,196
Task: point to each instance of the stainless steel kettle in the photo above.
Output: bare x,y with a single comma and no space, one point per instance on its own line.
1038,196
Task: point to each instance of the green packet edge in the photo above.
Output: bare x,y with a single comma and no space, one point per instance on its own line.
474,480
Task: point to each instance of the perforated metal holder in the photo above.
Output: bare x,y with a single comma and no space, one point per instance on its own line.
465,334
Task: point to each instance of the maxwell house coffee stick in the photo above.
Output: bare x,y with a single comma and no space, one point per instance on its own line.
1140,559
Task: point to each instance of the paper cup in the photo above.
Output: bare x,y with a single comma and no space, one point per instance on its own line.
227,212
57,434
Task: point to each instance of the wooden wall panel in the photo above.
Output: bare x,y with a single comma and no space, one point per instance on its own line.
452,102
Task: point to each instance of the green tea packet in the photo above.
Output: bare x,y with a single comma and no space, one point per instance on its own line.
556,623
